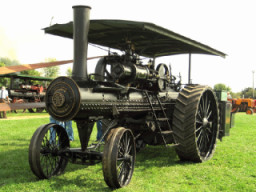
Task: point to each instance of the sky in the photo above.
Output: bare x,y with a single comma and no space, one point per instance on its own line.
225,25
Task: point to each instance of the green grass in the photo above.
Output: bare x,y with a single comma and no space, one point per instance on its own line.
26,113
232,167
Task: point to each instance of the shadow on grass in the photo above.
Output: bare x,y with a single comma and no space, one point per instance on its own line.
15,169
85,182
15,143
158,156
15,166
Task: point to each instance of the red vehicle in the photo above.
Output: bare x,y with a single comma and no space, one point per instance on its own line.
244,105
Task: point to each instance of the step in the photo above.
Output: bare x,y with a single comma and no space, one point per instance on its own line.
171,145
166,132
162,119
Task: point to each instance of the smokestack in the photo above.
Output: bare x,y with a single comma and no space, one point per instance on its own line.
81,25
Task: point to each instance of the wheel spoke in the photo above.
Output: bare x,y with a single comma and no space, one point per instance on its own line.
202,105
199,135
126,142
198,129
207,111
121,150
129,165
205,107
121,174
199,117
207,137
209,114
129,149
200,111
120,165
209,130
199,141
127,146
204,148
199,121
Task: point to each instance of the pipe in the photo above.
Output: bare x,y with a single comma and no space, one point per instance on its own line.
81,23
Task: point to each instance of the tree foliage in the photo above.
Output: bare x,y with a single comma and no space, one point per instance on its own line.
4,61
236,95
9,62
3,81
221,87
32,72
51,72
248,93
69,72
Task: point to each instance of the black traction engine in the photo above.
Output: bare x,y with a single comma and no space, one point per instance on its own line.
139,104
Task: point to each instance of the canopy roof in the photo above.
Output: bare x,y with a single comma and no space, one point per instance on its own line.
148,39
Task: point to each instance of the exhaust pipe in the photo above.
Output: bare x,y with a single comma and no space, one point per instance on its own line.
81,23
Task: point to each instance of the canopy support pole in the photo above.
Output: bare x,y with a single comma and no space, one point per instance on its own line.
189,68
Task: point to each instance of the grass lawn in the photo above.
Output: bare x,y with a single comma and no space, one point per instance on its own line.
232,167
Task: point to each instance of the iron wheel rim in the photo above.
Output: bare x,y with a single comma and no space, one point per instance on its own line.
125,158
206,124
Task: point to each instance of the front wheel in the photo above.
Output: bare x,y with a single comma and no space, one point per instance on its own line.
44,151
118,158
195,123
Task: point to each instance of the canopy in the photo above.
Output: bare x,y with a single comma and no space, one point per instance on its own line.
148,39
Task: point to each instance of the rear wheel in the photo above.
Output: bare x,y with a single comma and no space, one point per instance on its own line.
249,111
118,158
45,145
195,123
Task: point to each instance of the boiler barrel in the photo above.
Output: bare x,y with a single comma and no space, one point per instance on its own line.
66,100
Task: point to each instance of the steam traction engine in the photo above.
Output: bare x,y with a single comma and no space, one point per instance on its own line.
28,93
23,90
138,103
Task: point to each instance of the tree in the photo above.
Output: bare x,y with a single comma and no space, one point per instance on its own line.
9,62
247,93
51,72
32,72
236,95
3,81
4,61
69,72
221,87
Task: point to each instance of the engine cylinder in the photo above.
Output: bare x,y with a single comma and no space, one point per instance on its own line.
130,73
